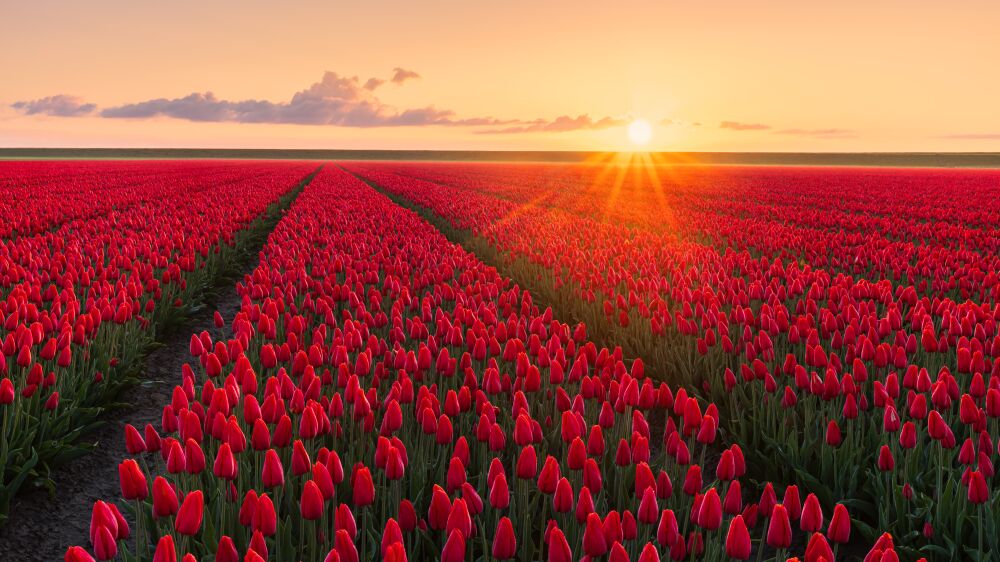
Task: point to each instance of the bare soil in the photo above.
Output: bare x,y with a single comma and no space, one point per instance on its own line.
40,527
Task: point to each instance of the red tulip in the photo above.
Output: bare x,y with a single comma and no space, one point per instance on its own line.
344,519
779,531
710,514
459,519
344,546
102,516
812,515
188,520
395,552
504,540
833,436
979,492
264,518
164,498
454,547
392,534
364,488
273,475
738,543
594,542
226,551
165,550
77,554
885,460
225,466
559,550
312,504
839,530
649,554
134,443
133,481
818,549
667,530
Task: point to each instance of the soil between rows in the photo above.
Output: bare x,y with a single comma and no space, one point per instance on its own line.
41,528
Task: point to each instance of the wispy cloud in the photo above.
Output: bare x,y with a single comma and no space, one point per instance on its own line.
829,133
335,101
558,125
401,75
58,106
819,133
737,126
972,136
676,123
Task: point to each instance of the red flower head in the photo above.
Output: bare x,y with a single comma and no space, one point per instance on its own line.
979,491
454,548
188,521
264,518
364,488
312,504
559,550
839,530
504,540
594,542
779,531
165,550
812,515
77,554
738,539
133,480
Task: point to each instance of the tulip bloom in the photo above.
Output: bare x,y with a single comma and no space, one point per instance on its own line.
738,543
839,530
312,504
133,481
77,554
188,520
779,531
454,548
504,540
979,491
364,488
811,519
165,550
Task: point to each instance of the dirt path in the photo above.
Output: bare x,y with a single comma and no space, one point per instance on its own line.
41,528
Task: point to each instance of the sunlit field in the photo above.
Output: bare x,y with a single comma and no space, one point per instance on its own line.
618,359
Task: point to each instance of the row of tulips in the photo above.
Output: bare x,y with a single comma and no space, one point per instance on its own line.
81,301
851,375
41,195
384,395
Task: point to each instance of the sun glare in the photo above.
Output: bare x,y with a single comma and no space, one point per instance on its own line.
640,132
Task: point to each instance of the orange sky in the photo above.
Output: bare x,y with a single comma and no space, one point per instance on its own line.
784,76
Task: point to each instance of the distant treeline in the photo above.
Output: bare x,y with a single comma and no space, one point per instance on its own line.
930,159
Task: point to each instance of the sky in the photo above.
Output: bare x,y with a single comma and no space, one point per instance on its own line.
875,75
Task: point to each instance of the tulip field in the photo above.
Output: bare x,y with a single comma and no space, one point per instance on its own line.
533,362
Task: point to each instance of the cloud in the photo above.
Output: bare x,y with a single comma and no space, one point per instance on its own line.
677,123
334,101
819,133
58,106
559,124
737,126
972,136
401,75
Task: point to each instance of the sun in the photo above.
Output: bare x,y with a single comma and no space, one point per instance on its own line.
640,132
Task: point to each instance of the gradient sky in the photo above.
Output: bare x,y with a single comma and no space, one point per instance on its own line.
743,76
